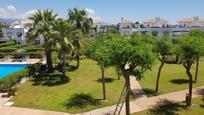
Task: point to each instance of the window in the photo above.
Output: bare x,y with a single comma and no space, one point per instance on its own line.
9,34
19,34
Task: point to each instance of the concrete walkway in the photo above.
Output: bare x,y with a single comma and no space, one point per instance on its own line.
137,88
145,103
140,104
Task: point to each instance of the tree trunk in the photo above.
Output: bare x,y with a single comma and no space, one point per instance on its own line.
63,77
48,55
189,101
127,98
158,76
118,73
103,82
49,61
177,59
196,72
78,60
63,68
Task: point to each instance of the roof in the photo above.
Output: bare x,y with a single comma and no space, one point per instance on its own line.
191,20
153,21
126,21
27,21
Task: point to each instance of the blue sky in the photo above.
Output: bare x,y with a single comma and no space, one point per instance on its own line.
111,10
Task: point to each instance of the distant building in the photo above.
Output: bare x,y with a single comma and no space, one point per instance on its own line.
16,29
157,26
13,29
155,22
195,21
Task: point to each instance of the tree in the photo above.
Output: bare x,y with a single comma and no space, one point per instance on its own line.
42,28
163,47
131,55
80,18
96,50
64,33
189,50
199,36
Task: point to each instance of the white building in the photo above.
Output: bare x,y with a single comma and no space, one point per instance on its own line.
14,29
160,26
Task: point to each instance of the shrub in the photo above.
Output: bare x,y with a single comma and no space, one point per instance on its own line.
8,43
8,82
34,68
8,49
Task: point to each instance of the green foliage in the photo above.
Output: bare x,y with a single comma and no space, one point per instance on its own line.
8,49
34,68
80,18
117,50
11,80
34,49
96,50
155,33
163,46
8,43
189,48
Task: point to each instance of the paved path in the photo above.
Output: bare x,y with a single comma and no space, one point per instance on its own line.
140,104
145,103
137,89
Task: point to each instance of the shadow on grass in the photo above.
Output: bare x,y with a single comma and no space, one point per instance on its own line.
150,92
81,100
49,79
202,105
72,68
179,81
107,80
166,107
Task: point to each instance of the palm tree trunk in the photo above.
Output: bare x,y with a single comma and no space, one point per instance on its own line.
49,60
103,82
196,72
63,78
48,55
63,68
158,76
78,60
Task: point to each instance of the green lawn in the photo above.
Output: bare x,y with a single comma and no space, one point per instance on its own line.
179,109
173,78
50,96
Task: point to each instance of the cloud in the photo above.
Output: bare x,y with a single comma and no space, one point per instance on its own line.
11,8
2,12
27,14
8,11
91,13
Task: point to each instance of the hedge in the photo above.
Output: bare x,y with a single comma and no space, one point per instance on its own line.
32,54
11,80
8,49
8,43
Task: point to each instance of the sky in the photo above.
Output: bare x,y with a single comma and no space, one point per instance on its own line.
109,11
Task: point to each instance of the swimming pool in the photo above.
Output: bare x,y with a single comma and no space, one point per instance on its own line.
6,69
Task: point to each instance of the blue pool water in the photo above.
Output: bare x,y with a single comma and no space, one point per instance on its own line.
6,69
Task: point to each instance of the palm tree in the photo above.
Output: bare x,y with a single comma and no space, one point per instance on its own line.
82,22
42,28
64,33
